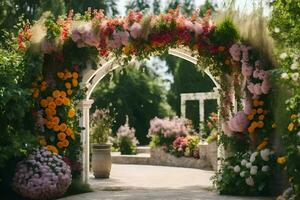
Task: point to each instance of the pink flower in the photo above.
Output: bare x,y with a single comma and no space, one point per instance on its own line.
245,51
257,89
256,73
247,107
265,86
239,122
189,25
135,30
246,69
250,87
48,47
198,29
235,52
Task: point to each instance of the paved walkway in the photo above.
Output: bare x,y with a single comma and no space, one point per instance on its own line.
145,182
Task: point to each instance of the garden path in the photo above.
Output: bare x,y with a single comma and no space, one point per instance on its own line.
145,182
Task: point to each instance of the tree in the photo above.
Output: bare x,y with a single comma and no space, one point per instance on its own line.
136,93
206,7
138,5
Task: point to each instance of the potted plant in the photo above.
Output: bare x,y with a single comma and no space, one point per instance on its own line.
101,130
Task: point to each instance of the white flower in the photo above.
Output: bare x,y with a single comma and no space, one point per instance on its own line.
265,168
237,169
248,165
243,162
298,133
295,76
249,181
265,154
284,75
253,170
242,174
283,56
294,66
276,30
253,156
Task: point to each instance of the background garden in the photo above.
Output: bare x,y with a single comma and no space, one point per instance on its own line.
120,91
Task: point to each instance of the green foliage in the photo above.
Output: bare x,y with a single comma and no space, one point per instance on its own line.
207,6
284,23
126,147
138,5
225,33
133,92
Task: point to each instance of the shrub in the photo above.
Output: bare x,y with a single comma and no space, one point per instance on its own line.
42,175
126,140
101,126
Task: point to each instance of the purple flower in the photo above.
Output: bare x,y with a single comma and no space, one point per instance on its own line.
239,122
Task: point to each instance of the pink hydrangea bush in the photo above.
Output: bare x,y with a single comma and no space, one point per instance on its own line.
42,175
126,140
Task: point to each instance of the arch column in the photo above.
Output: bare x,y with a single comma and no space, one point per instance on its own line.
85,106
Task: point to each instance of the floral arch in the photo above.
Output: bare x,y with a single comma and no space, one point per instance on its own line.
77,51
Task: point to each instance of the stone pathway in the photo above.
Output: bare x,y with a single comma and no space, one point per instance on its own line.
146,182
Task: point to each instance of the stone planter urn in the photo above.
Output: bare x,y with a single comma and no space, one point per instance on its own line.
101,160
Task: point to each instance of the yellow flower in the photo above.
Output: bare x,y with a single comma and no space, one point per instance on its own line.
281,160
69,92
68,74
71,113
293,116
63,127
52,148
261,117
44,103
74,82
274,125
43,141
75,75
291,126
69,132
61,136
60,75
227,62
68,85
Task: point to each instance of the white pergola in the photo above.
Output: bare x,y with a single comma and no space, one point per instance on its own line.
200,97
91,78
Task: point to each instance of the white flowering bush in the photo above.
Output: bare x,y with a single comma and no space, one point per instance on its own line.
42,175
248,172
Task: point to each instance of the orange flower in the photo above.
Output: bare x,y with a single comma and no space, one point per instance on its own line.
52,105
65,143
261,103
43,87
291,127
61,136
262,145
260,124
60,145
261,117
69,132
281,160
75,75
58,101
63,127
74,82
60,75
66,101
69,92
68,85
259,111
56,128
72,136
227,62
221,48
55,120
63,94
36,94
256,102
250,117
71,113
43,83
265,112
56,93
44,103
68,74
126,49
251,129
293,116
50,99
195,47
52,148
253,111
254,124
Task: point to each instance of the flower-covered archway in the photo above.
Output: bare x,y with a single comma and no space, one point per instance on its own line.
78,50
